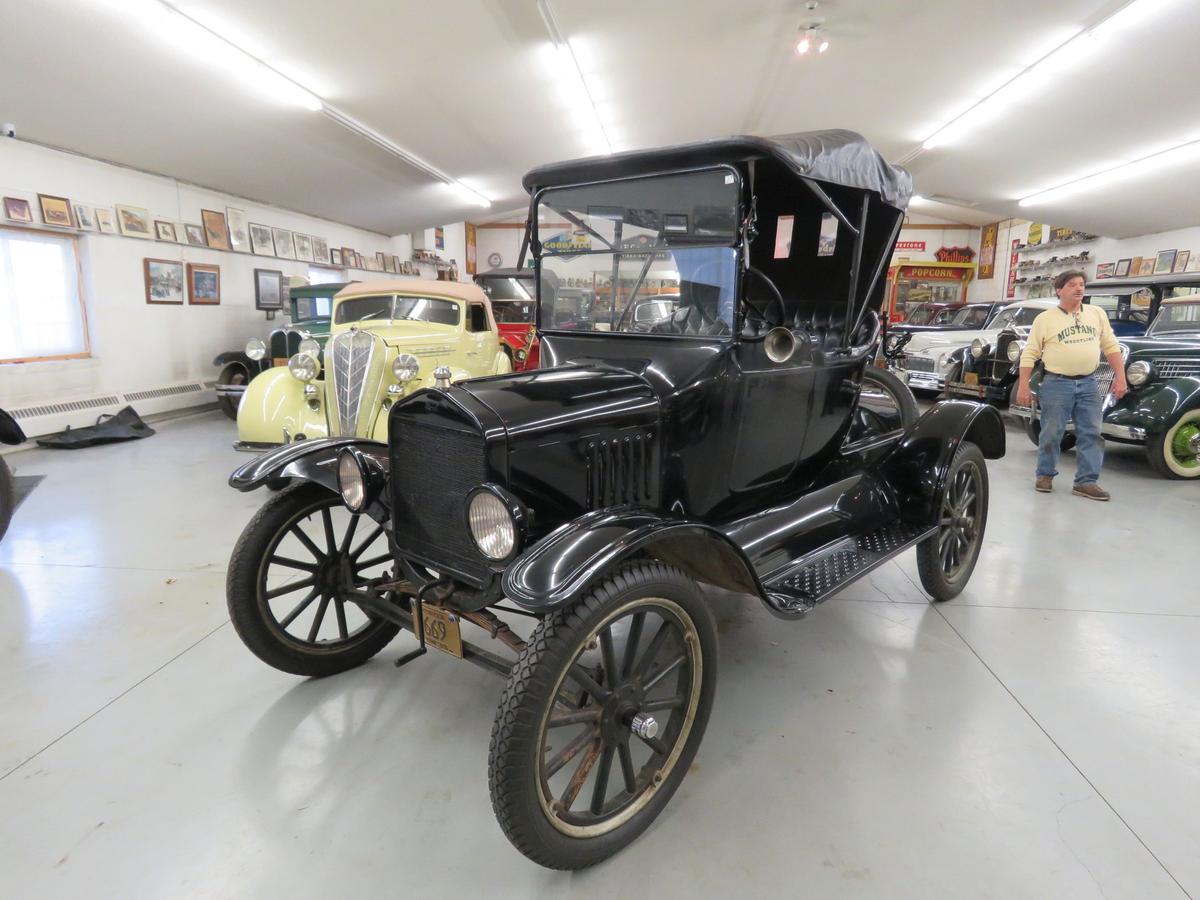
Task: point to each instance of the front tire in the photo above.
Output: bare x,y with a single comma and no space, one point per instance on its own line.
1175,453
946,560
304,625
1033,431
572,780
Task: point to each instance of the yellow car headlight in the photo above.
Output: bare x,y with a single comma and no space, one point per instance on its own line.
406,367
304,367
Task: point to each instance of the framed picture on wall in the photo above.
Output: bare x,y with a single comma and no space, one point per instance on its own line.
1122,267
1164,261
239,234
164,231
320,249
348,258
215,231
261,241
56,211
381,261
396,265
303,247
204,284
335,256
1181,261
105,221
195,235
268,289
181,236
164,281
18,210
134,221
472,249
84,217
1105,270
284,248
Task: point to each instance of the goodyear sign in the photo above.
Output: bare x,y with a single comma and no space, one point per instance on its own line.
568,242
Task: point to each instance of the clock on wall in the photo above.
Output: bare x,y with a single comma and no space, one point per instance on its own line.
495,260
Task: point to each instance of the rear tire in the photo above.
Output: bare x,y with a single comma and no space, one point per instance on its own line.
232,374
1033,430
946,560
897,391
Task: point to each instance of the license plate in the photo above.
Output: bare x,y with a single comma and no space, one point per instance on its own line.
971,377
442,630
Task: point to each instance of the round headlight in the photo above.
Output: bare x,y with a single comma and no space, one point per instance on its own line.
304,366
1139,372
978,348
311,347
352,482
256,349
522,354
492,525
406,367
1014,350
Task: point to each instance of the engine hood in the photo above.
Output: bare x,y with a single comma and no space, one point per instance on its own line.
1186,344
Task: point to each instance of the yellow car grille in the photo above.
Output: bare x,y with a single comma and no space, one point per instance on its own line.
356,373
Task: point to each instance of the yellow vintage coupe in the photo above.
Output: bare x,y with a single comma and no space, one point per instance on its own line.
388,339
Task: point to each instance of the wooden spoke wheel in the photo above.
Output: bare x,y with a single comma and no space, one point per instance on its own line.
946,560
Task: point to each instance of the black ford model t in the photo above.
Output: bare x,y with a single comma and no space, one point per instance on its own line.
726,445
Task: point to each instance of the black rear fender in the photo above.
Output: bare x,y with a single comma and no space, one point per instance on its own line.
314,461
561,568
10,431
918,465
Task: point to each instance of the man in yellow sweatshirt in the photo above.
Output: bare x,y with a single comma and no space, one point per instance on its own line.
1069,340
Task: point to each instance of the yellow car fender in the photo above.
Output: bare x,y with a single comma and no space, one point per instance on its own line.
502,364
274,409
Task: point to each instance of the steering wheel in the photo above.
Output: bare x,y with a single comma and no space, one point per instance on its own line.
775,296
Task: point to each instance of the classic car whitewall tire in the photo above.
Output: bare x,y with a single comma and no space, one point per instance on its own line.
1170,453
946,560
304,626
602,715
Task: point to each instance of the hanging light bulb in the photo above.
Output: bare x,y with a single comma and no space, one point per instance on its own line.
805,43
824,45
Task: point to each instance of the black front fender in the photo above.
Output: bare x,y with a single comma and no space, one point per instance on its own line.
10,431
918,465
564,565
314,460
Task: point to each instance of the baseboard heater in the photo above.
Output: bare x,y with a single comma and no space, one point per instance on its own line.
48,418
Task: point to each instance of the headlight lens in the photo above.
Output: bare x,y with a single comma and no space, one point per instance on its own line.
521,354
311,347
492,525
1014,350
406,367
352,482
304,366
1138,372
978,348
256,349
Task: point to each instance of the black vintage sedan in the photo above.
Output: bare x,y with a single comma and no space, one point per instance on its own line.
723,444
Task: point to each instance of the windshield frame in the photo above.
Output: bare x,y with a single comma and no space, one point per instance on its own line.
1154,331
736,242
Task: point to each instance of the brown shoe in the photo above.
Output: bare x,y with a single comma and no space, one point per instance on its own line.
1091,491
1044,484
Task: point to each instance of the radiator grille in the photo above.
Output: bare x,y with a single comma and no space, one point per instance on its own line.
433,469
351,360
618,471
1001,364
1177,368
1104,378
917,364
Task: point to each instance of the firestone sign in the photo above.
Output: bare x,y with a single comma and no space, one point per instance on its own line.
910,245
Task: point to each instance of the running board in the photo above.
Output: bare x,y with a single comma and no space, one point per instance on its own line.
799,587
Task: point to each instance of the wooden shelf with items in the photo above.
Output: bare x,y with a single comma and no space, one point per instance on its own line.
1066,262
1068,242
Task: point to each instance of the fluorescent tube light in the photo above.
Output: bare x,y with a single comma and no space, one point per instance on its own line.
582,99
1106,178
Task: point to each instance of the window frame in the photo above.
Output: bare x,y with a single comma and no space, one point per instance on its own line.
80,298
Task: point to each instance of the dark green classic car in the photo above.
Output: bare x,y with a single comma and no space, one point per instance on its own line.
1162,409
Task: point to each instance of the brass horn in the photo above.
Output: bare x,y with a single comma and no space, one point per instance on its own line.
779,344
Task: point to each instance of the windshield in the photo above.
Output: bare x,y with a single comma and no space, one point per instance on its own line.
944,317
506,287
921,314
972,317
391,307
513,312
306,309
636,241
1177,316
1021,317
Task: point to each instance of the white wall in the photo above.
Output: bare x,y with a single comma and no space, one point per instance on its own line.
136,346
505,241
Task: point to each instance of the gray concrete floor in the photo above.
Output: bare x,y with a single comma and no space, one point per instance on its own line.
1039,736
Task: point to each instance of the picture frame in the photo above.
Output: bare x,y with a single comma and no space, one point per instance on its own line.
164,281
335,256
1122,269
268,289
195,235
284,248
303,247
1105,270
1164,261
181,236
320,249
18,210
1193,263
381,260
204,284
85,217
105,220
396,265
56,211
1135,266
348,258
238,227
164,231
388,265
133,221
1181,260
216,233
261,241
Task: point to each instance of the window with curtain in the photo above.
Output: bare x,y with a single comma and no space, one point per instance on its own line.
41,313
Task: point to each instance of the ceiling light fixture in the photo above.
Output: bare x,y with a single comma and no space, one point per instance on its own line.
1070,51
569,62
812,36
177,28
1105,178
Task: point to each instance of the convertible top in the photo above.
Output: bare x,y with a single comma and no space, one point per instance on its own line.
835,156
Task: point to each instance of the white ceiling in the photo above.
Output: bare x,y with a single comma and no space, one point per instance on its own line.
464,85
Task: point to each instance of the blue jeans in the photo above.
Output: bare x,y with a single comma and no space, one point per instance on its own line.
1063,399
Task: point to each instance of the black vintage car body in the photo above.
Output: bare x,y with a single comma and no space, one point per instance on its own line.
725,445
10,433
